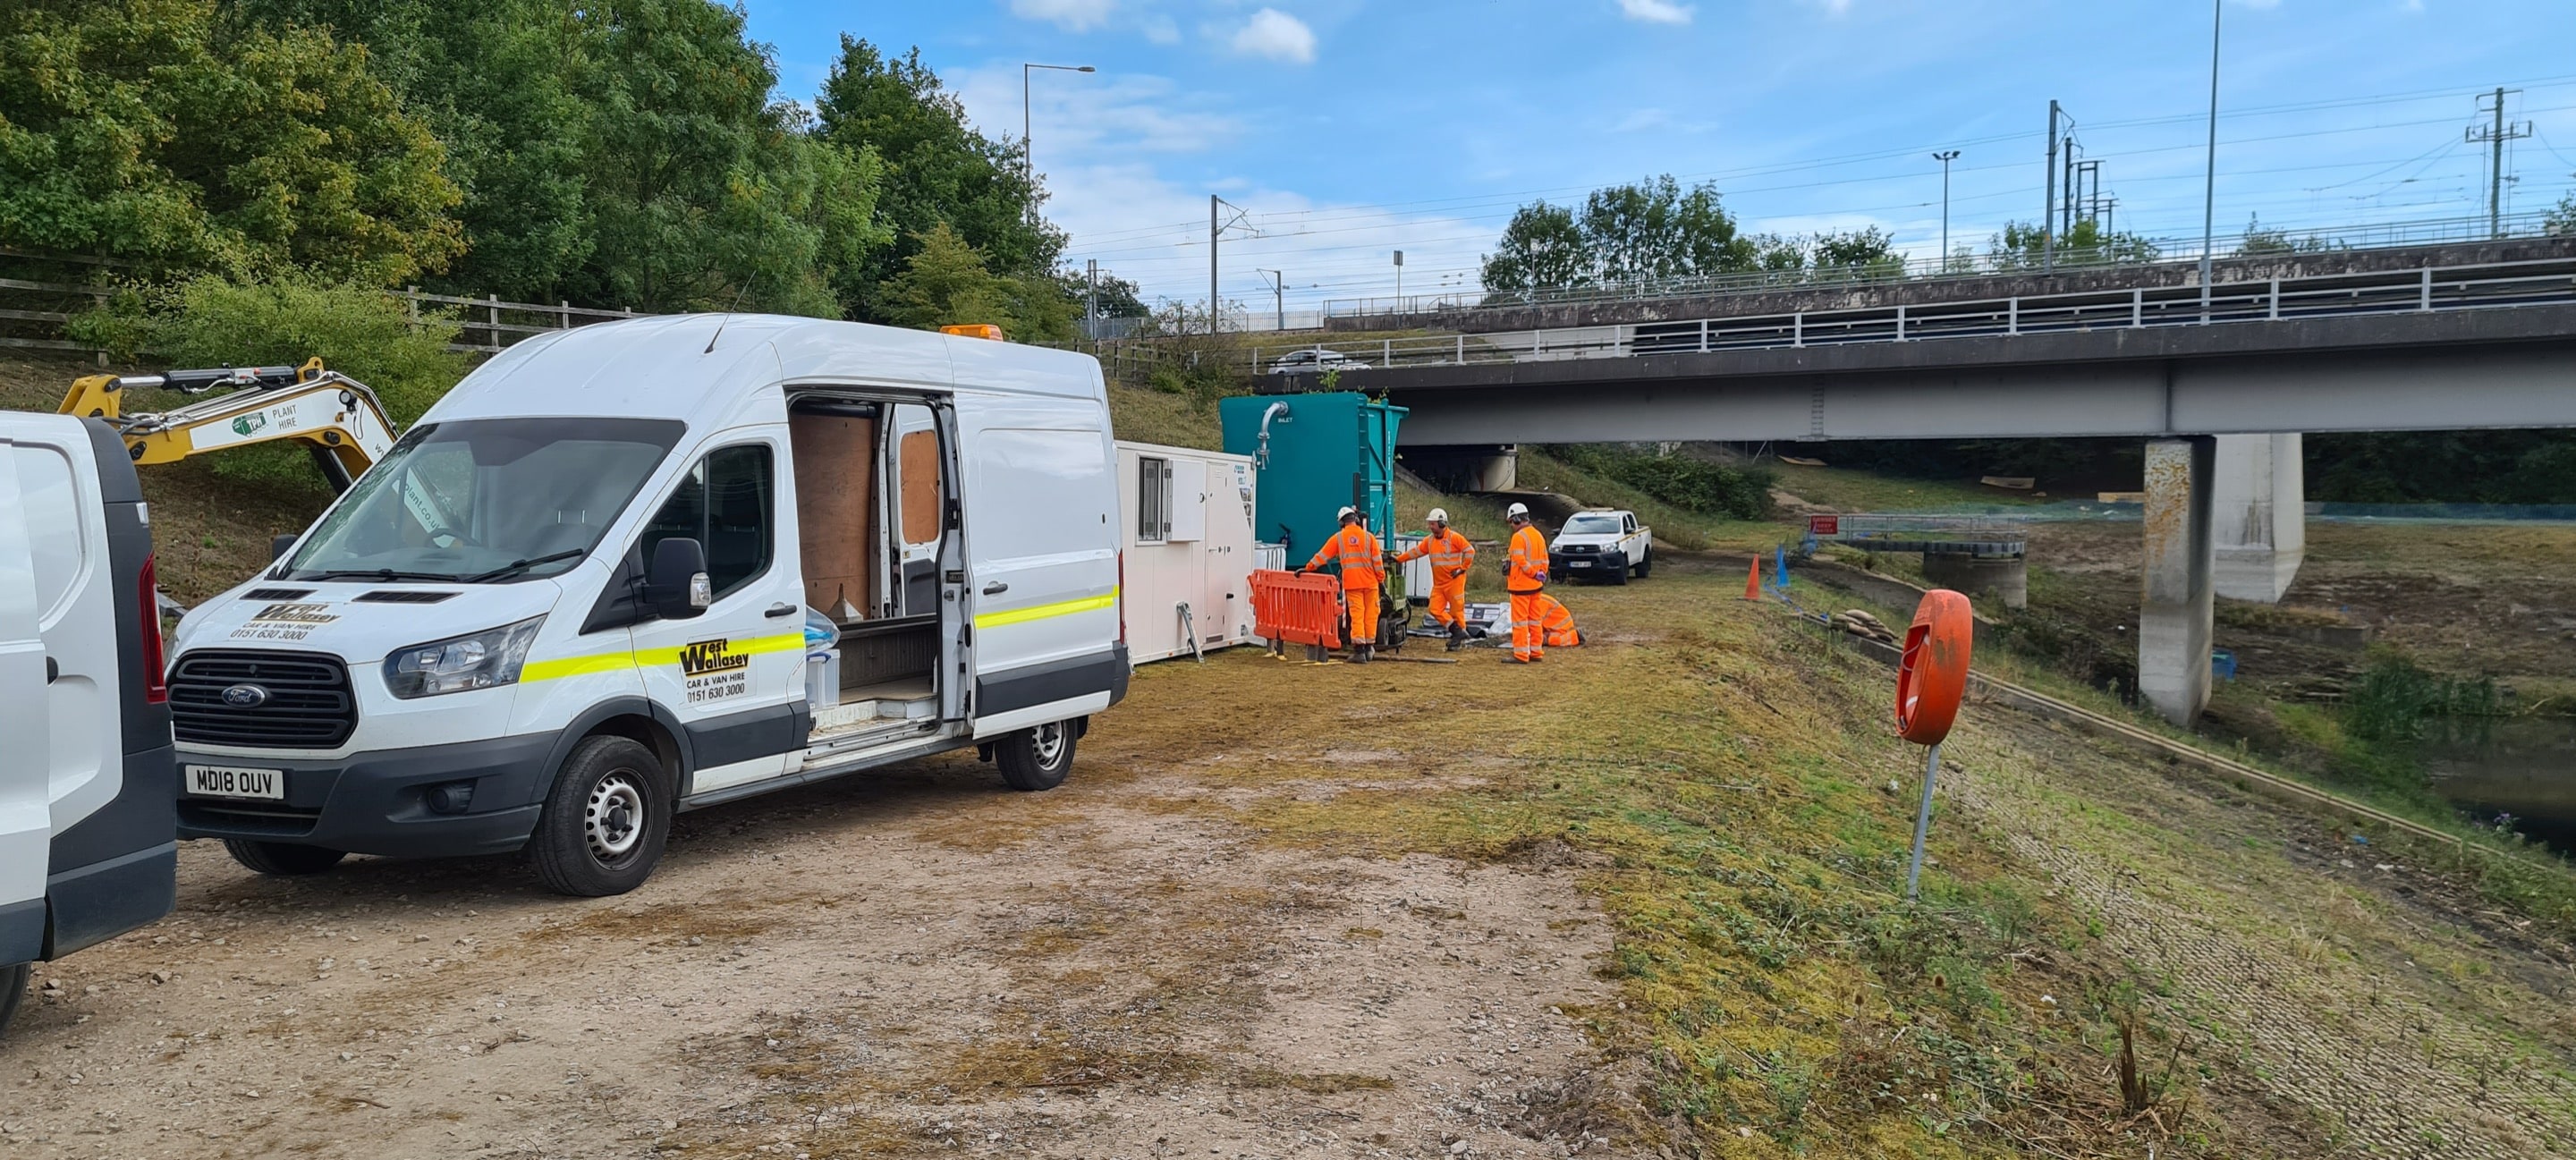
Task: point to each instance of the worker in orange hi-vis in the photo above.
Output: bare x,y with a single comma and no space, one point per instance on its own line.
1451,555
1556,625
1525,577
1357,553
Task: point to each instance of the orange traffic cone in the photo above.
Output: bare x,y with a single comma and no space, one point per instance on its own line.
1753,581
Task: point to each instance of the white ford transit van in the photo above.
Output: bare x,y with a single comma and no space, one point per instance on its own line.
87,850
572,599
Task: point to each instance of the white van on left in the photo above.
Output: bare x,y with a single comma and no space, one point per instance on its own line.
88,848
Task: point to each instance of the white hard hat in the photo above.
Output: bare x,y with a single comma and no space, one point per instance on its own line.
1437,516
1346,511
1516,511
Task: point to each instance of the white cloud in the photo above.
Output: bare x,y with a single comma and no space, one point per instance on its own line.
1069,15
1835,8
1279,36
1075,117
1161,30
1655,11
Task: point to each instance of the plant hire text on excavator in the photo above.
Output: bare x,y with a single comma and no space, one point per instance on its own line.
337,418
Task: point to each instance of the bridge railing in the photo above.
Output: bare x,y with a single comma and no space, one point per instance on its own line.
2501,285
2163,251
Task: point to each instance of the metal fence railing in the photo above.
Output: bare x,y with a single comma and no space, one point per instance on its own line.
2164,251
2493,286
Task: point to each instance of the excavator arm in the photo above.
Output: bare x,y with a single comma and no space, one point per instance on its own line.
336,417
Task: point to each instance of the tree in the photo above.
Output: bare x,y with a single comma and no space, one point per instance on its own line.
157,132
946,282
1541,249
938,169
2562,219
1867,252
1114,297
2021,246
2260,241
1652,229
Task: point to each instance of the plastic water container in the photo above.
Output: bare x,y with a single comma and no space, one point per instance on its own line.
823,678
2222,664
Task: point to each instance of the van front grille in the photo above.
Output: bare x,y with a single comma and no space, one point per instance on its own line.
307,704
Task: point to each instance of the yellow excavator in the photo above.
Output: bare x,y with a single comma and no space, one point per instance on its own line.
336,417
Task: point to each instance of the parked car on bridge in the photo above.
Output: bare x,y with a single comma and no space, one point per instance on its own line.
1314,359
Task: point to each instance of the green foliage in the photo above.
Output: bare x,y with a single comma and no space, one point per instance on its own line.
939,169
1694,485
159,132
945,283
357,330
1541,249
2393,699
2259,241
361,332
1649,229
2561,220
2506,467
701,189
1869,252
2022,246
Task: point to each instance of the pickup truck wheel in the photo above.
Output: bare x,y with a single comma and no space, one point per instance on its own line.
1645,563
605,820
1619,575
283,859
13,991
1036,759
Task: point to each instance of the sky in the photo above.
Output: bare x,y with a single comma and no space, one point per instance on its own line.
1341,131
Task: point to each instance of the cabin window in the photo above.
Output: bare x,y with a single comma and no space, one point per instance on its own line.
726,503
1153,499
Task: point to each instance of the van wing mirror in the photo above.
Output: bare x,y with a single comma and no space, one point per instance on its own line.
280,546
675,583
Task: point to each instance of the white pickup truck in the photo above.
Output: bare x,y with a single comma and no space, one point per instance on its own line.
1602,544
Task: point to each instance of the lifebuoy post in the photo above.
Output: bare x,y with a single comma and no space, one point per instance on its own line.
1930,682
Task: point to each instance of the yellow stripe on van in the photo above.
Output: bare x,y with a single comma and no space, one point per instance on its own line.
1047,611
608,662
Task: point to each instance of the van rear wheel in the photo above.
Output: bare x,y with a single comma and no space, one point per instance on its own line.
13,991
283,859
1036,759
605,820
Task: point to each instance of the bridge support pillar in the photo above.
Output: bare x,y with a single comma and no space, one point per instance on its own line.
2176,599
2258,505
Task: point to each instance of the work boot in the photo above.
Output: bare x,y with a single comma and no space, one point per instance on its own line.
1457,637
1363,655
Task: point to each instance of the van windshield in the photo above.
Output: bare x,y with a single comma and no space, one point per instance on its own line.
489,500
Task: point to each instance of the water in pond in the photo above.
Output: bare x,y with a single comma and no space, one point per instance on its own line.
2523,766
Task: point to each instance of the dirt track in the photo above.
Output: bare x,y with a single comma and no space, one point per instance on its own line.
916,961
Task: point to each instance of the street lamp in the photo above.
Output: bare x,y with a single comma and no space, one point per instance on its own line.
1945,158
1026,169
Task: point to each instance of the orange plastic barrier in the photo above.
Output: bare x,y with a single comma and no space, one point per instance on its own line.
1934,674
1304,609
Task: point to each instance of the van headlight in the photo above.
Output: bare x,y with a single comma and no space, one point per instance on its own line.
479,660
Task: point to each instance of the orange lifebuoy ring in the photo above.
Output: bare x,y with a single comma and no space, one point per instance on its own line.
1934,674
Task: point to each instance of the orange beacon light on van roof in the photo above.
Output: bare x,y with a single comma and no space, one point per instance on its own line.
974,330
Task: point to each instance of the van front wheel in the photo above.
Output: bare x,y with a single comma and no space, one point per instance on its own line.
13,991
604,821
283,859
1036,759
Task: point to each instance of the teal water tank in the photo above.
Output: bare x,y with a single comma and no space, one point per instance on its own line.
1311,455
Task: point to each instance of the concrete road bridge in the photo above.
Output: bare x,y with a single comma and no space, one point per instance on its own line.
2221,384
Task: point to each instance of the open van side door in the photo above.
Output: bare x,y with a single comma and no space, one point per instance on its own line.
26,823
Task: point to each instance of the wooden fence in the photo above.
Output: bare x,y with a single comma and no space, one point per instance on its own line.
33,310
